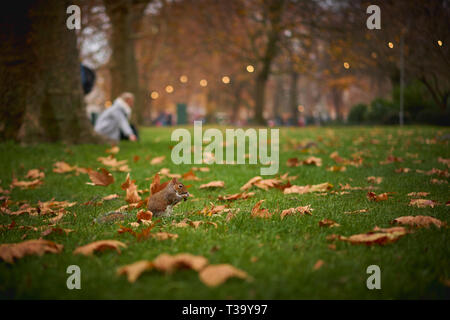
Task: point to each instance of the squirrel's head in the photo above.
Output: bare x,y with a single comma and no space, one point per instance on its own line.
179,188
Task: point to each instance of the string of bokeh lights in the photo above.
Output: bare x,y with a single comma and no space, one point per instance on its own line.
250,69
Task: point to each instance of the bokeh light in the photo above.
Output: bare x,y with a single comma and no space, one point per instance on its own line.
250,68
390,45
169,89
154,95
226,79
203,83
346,65
183,79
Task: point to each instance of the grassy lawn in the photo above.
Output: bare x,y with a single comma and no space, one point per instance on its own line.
278,254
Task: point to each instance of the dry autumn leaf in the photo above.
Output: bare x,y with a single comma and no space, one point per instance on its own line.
419,221
35,174
308,188
25,184
113,150
328,223
213,184
190,175
372,196
144,215
376,236
376,180
134,270
167,263
318,265
418,194
300,210
422,203
236,196
214,275
100,245
103,178
157,160
156,185
260,213
11,251
132,195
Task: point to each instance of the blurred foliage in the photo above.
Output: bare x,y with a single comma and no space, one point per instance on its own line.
419,108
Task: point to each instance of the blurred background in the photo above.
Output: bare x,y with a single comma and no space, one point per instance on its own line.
263,62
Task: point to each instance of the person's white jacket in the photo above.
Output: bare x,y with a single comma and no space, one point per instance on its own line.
115,119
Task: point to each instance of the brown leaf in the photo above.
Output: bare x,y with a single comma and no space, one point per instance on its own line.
422,203
213,184
113,150
103,178
62,167
357,211
328,223
156,186
372,196
157,160
35,174
376,180
260,213
134,270
214,275
236,196
167,263
376,236
25,184
308,188
50,230
132,195
190,175
301,210
250,183
144,215
419,221
165,236
11,251
100,245
318,264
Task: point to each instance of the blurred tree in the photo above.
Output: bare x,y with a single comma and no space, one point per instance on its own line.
40,85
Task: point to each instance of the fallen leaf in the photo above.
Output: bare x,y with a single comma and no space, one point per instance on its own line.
308,188
156,186
113,150
103,178
236,196
190,175
100,245
214,275
380,197
376,236
419,221
301,210
318,265
11,251
422,203
418,194
134,270
164,236
328,223
357,211
132,195
168,263
35,174
213,184
260,213
376,180
25,184
144,215
157,160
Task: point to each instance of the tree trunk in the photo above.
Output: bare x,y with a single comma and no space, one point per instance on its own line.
123,65
40,85
271,51
293,94
336,94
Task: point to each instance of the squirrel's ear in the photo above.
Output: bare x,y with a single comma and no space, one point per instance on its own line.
174,180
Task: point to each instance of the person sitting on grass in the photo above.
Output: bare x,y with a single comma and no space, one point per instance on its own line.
114,121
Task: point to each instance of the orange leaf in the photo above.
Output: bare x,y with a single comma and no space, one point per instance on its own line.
102,178
99,246
11,251
134,270
214,275
167,263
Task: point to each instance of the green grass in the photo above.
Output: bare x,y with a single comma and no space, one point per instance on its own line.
413,267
